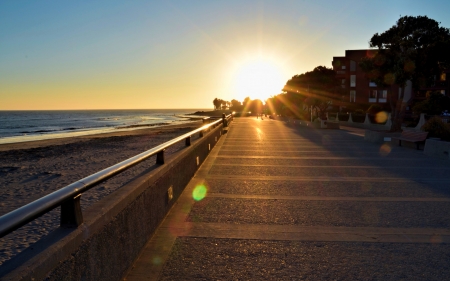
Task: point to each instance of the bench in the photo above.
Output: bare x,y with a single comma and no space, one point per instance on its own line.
416,137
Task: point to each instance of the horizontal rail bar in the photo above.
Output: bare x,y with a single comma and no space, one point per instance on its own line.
21,216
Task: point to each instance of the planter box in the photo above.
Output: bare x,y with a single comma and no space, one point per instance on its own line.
333,125
437,148
316,125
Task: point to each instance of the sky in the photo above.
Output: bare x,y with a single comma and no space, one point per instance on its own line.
60,55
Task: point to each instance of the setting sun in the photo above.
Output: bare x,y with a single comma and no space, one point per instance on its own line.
257,78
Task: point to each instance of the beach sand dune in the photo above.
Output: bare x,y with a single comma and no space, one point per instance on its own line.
31,170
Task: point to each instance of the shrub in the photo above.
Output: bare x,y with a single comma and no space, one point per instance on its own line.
358,118
343,116
435,104
359,111
436,128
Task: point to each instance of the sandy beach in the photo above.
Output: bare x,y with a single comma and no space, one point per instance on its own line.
31,170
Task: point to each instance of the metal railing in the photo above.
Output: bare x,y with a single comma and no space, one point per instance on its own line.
69,196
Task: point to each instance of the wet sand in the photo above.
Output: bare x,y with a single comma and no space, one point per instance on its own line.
31,170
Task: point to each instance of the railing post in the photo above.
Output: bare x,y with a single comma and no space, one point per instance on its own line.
200,134
71,215
188,141
160,157
224,120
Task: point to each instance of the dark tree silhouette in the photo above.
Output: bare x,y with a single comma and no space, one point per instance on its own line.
218,103
317,88
235,103
415,49
435,104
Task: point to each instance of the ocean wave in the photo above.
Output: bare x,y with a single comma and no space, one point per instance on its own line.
52,123
142,125
49,130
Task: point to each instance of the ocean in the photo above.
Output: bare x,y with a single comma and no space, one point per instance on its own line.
20,126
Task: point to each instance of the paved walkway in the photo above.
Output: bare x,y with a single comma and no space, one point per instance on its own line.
286,202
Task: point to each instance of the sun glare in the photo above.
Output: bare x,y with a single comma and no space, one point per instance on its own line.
258,79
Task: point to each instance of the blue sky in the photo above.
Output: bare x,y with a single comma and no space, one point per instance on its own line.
177,54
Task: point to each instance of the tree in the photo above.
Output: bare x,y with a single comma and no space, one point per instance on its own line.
319,104
217,103
317,89
414,49
321,81
235,103
435,104
224,104
246,102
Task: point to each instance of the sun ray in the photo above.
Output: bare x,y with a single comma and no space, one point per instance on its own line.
257,78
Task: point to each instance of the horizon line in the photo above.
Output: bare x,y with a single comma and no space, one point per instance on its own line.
104,109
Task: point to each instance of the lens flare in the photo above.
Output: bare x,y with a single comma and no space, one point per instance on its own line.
436,239
157,260
389,78
385,150
199,192
381,117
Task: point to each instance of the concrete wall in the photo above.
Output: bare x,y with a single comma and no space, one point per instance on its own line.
115,229
379,136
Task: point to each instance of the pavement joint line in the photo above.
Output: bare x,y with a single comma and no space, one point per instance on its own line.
275,145
329,179
328,198
296,140
314,157
327,153
312,233
252,140
306,150
334,166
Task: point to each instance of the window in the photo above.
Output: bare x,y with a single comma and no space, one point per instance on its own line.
352,65
372,84
352,96
343,81
443,76
343,67
373,96
352,80
443,92
383,97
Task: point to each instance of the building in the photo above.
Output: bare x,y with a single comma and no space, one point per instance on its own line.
357,92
